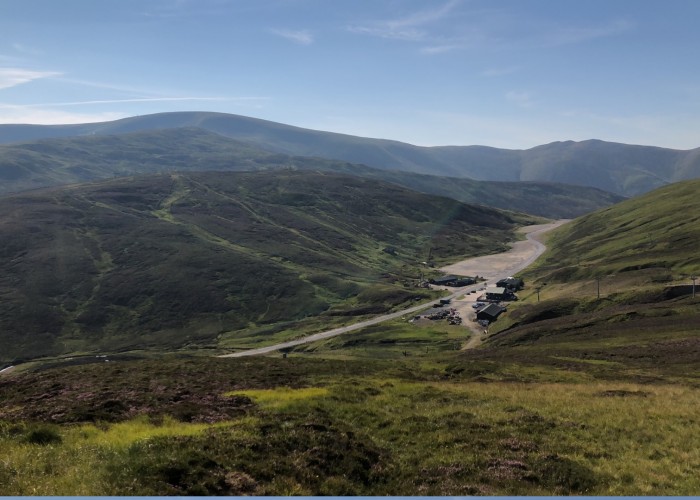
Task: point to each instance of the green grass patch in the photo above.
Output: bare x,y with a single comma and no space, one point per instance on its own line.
281,396
445,424
599,362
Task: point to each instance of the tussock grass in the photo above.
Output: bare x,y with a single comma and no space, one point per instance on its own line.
126,433
73,464
407,427
281,396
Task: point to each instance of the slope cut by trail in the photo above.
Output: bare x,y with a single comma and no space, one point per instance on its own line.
491,267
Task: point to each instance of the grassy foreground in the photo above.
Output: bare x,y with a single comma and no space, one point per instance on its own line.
576,394
432,423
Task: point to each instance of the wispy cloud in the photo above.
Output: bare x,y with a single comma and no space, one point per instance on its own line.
495,72
302,37
440,49
11,77
59,112
409,27
520,98
448,28
26,50
124,89
144,99
41,116
572,35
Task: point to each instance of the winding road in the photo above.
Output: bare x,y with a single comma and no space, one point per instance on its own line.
491,267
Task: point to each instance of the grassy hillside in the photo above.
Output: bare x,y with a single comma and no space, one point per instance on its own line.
74,160
658,230
355,417
570,395
218,259
616,294
623,169
546,199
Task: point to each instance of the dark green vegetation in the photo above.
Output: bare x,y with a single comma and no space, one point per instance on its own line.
575,395
657,231
434,424
545,199
617,291
210,260
55,162
74,160
619,168
616,285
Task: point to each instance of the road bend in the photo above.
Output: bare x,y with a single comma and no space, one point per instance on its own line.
490,267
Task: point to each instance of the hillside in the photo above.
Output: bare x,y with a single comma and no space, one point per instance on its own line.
208,259
658,230
617,291
573,395
51,162
623,169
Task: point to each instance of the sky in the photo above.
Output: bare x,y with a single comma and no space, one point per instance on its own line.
504,73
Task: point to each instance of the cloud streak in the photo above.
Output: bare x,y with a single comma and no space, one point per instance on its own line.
11,77
26,50
519,98
447,28
408,27
301,37
142,100
40,116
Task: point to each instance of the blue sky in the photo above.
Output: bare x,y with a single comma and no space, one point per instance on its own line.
503,73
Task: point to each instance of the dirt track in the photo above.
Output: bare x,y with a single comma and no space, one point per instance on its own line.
522,254
492,267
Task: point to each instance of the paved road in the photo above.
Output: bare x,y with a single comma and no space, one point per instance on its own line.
491,267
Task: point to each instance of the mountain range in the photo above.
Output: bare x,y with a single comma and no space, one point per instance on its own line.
71,160
623,169
116,291
205,259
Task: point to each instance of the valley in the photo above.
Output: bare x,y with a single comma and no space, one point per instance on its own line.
622,169
490,268
389,248
208,261
131,307
71,160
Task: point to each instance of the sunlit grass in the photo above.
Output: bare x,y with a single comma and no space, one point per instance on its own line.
637,439
634,439
72,466
126,433
281,396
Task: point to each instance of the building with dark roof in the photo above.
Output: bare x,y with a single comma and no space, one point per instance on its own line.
452,281
511,283
498,293
490,313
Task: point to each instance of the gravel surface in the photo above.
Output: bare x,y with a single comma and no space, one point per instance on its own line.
492,267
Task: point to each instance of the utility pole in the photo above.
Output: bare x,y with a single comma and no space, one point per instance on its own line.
598,281
538,290
693,277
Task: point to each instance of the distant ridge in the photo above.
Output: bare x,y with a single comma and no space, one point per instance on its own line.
623,169
73,160
655,231
195,259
